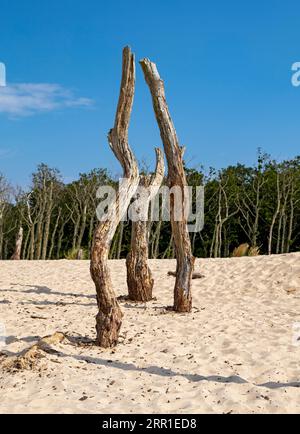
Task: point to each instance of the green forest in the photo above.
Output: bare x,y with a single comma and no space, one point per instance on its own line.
258,205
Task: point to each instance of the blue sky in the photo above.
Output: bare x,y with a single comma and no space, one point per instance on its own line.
226,67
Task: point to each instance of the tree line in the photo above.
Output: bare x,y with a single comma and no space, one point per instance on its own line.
258,205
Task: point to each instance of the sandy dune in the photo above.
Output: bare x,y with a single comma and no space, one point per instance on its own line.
234,353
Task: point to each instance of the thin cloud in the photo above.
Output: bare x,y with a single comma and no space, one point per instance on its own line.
25,99
6,153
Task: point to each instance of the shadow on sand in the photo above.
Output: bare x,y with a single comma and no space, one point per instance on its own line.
152,370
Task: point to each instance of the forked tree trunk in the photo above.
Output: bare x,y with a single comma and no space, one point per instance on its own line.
109,317
19,240
176,177
139,276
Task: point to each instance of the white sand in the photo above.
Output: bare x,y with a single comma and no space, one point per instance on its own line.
234,353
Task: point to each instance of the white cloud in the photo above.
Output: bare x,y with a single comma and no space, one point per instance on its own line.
25,99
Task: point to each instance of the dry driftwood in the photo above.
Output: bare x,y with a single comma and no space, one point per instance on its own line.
109,317
28,359
139,276
176,177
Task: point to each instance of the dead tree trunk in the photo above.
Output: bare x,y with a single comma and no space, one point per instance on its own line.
176,177
139,276
47,222
25,245
109,317
19,240
155,241
53,235
82,226
79,256
275,215
120,240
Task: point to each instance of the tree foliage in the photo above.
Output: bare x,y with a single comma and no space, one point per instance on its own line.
257,205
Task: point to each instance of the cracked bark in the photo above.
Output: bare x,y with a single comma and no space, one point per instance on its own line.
109,317
139,276
176,177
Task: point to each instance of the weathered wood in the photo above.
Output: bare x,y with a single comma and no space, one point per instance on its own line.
194,275
109,317
19,240
176,177
139,276
28,359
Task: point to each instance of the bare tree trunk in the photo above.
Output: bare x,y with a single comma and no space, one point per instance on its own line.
113,247
204,245
54,233
149,229
291,224
139,276
79,255
5,249
91,228
109,317
25,245
293,202
218,234
211,250
284,239
40,225
279,235
155,241
75,231
176,177
39,238
31,230
17,253
82,226
194,242
286,194
275,215
47,222
167,252
32,238
60,238
260,183
120,240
